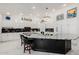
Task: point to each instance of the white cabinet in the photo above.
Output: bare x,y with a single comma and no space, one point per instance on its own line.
9,36
42,27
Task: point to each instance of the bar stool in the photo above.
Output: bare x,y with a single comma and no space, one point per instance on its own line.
27,44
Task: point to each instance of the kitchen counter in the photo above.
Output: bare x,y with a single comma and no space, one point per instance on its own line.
56,36
58,43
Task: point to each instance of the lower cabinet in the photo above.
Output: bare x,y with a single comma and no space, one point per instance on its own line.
9,36
52,45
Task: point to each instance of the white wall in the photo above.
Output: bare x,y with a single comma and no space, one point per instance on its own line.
0,26
66,26
15,21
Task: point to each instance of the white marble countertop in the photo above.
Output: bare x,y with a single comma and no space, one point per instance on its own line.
56,36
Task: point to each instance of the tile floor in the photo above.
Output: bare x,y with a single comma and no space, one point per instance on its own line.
14,48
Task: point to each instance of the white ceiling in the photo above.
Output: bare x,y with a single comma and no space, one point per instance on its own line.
26,8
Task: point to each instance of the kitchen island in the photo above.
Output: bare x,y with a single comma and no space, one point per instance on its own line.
58,43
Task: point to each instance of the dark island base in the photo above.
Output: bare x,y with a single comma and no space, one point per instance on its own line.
52,45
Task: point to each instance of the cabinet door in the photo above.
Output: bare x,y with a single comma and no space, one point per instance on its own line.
59,28
42,27
4,37
60,44
44,44
13,36
9,36
38,43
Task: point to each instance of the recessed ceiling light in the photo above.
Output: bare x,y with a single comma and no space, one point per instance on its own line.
8,13
53,10
64,5
33,7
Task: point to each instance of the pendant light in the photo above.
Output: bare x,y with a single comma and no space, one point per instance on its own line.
46,17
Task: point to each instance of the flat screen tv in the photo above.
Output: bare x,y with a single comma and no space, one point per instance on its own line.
72,13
